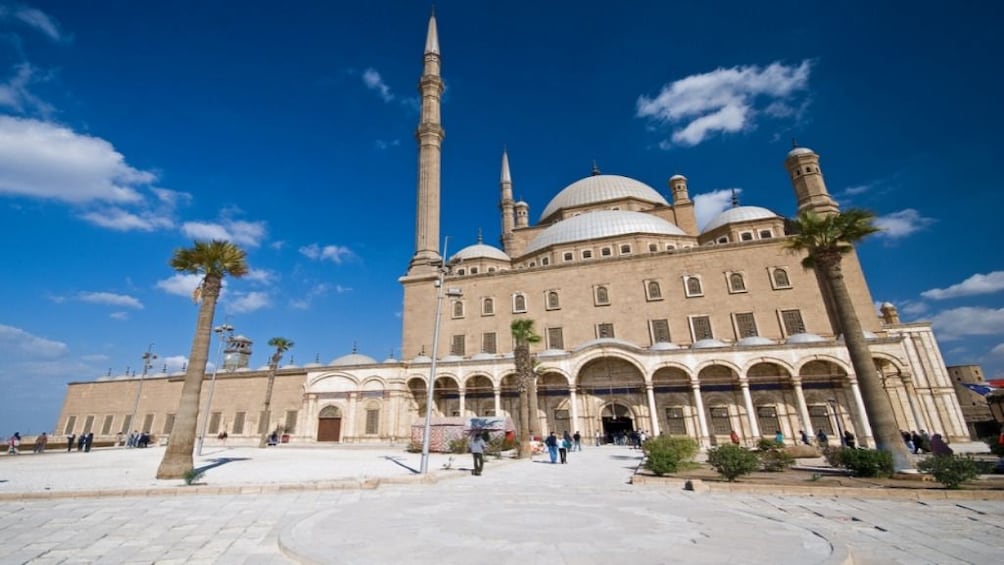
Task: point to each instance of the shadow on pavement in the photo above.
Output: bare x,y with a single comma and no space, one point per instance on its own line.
213,463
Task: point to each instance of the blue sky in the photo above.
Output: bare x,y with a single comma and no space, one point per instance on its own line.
128,129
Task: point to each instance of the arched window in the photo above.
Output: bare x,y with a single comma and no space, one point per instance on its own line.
781,279
518,303
602,296
736,283
653,290
488,307
458,309
552,300
694,286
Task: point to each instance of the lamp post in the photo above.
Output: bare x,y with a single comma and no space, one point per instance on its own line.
148,357
219,331
440,293
836,416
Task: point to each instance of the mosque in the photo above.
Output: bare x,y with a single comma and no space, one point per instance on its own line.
647,323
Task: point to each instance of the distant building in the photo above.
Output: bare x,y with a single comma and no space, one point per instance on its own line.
649,322
972,391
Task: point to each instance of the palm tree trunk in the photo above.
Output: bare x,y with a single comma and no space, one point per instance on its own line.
524,421
877,404
267,415
178,456
534,407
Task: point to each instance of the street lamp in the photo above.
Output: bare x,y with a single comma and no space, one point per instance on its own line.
219,331
148,357
440,292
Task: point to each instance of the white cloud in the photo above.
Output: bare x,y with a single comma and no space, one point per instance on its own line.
261,276
998,350
958,322
318,290
44,160
724,100
277,245
856,190
237,231
181,284
16,95
110,299
246,302
383,145
902,223
333,253
119,315
974,285
40,21
94,357
174,362
118,219
373,81
914,308
710,204
172,198
18,344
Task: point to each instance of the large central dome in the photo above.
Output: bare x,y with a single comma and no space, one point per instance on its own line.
601,224
601,188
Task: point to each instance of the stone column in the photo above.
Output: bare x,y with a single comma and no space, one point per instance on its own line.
704,438
744,384
865,438
653,413
803,409
463,397
350,428
918,421
498,400
573,405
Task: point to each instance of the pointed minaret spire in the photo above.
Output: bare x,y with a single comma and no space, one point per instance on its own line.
507,205
596,169
735,198
355,348
430,136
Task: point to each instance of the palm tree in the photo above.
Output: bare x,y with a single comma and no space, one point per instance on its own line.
281,346
213,260
523,335
826,239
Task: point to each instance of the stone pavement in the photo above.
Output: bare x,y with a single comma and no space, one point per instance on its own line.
517,512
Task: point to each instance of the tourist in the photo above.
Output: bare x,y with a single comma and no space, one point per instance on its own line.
576,441
822,439
939,448
552,447
849,439
81,440
907,439
563,446
778,437
14,443
70,439
804,437
734,437
476,445
89,442
917,441
598,440
40,443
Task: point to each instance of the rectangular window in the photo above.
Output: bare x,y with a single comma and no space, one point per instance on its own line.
604,330
700,328
625,249
766,234
488,344
88,423
262,423
676,424
766,418
148,423
555,338
457,345
126,424
606,252
168,424
745,325
587,254
291,417
660,331
372,422
561,414
71,422
820,419
239,423
746,236
792,321
106,428
720,421
214,422
567,256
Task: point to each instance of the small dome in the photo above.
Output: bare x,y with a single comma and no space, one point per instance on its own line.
177,373
390,360
311,365
801,151
677,177
708,344
886,305
451,359
104,378
353,359
551,353
607,341
804,338
263,368
422,359
601,188
739,214
480,251
868,335
482,356
241,338
664,346
290,366
244,370
521,204
600,224
122,377
754,340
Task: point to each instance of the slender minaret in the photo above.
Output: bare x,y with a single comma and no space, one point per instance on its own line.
506,204
802,164
683,206
430,140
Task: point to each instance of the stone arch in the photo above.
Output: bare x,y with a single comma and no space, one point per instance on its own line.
329,423
674,400
553,402
600,355
479,395
611,380
333,382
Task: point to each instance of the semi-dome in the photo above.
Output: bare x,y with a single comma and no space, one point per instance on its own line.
601,188
551,353
479,251
804,338
754,340
353,359
422,358
708,343
664,346
607,341
483,356
451,359
739,214
600,224
801,151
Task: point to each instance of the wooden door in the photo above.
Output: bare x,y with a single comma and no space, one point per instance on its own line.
329,429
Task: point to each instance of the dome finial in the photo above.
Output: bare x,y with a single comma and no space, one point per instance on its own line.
480,238
735,198
596,168
794,143
355,348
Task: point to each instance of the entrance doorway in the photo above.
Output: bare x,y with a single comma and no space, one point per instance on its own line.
329,424
617,424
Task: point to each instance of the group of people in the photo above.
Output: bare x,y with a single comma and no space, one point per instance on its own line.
83,442
14,443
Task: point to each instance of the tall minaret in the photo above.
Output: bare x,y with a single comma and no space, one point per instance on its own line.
430,140
802,164
506,205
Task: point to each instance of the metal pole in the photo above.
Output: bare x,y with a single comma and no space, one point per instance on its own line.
147,358
212,383
426,436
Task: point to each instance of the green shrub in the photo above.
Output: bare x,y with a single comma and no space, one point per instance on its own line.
499,444
458,445
414,447
766,444
732,461
776,460
832,456
993,442
863,462
192,476
951,470
668,454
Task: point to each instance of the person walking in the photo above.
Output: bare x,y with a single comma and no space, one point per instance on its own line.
476,445
552,447
564,444
822,439
734,437
598,439
40,443
576,441
804,437
70,440
849,439
14,443
778,437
